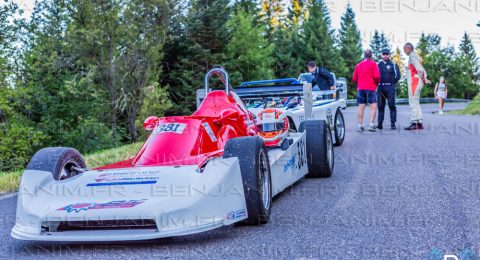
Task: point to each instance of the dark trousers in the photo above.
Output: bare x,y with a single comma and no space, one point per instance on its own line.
386,93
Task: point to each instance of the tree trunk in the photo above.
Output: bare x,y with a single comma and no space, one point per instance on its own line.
132,129
111,87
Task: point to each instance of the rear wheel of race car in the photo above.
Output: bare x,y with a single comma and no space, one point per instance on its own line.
320,155
339,125
257,180
62,162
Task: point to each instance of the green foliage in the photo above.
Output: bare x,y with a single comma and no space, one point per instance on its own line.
88,135
474,107
201,45
467,51
318,40
156,103
378,43
10,29
288,56
456,67
350,46
247,6
249,54
18,139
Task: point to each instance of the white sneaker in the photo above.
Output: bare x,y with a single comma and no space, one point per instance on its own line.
440,112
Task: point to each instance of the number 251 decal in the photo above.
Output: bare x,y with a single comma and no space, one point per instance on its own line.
170,128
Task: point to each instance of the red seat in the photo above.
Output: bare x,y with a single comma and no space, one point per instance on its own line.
214,103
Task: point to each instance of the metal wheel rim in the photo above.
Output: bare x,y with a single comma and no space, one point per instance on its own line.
66,172
265,178
329,151
340,127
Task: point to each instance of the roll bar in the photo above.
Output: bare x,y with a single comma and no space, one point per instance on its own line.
222,73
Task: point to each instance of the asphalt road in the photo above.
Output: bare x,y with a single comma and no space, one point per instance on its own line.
393,195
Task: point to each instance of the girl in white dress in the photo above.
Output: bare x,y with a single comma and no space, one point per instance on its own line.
441,91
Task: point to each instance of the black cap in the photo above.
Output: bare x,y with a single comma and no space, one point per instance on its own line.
387,51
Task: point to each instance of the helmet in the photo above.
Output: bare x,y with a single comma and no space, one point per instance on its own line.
273,126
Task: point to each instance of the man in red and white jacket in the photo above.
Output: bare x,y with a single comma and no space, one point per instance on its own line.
367,77
416,77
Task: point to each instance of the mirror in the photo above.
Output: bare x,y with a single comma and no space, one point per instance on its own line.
150,123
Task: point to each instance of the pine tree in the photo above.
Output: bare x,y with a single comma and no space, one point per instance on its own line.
350,44
249,53
378,43
288,52
203,47
427,44
248,6
318,40
384,42
9,31
467,50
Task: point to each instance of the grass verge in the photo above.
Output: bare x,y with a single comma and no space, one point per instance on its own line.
9,181
472,109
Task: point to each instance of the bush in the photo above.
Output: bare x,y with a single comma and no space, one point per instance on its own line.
156,103
18,142
88,136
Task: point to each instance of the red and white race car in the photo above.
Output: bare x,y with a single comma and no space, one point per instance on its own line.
193,174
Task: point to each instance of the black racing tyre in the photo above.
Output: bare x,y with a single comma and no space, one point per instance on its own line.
257,180
57,160
339,124
320,155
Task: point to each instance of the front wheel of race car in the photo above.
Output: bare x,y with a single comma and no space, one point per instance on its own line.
257,180
339,125
320,155
62,162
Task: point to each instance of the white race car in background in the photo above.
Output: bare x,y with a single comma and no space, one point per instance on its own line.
289,95
340,83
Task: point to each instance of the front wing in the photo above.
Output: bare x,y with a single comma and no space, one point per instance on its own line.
130,204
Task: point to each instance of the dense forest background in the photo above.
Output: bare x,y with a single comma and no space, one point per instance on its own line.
85,74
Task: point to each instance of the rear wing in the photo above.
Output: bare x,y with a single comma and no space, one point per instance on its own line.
278,88
273,88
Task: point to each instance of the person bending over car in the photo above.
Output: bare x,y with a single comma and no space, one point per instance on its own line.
321,77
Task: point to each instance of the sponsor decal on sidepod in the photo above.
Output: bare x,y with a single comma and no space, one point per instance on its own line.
109,179
236,214
289,164
118,204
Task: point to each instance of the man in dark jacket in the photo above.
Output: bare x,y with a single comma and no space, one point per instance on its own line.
321,77
389,76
